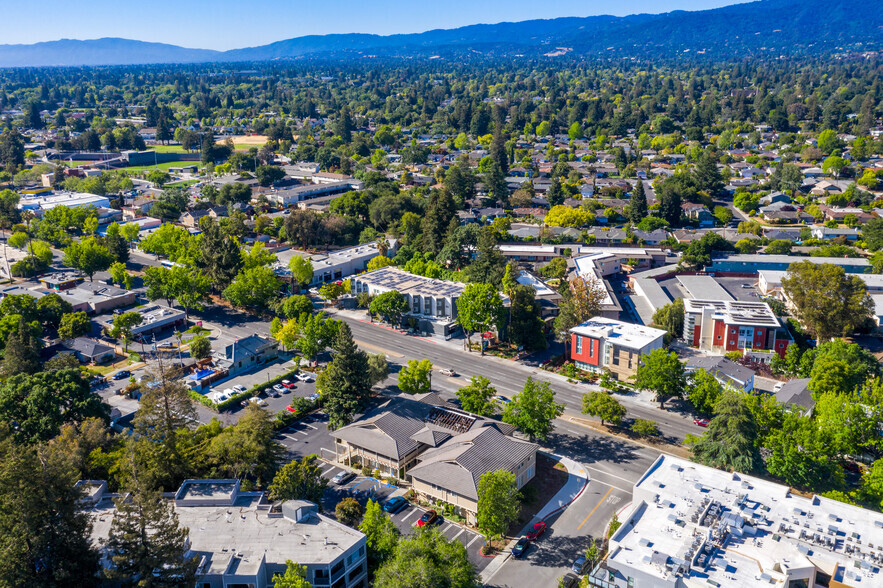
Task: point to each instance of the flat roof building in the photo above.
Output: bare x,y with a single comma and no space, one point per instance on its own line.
725,325
41,203
753,263
335,265
601,344
690,525
240,539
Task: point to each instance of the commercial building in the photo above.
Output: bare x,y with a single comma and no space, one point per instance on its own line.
289,196
769,282
335,265
432,302
690,525
601,344
97,297
442,450
753,263
246,353
241,540
41,203
724,325
154,318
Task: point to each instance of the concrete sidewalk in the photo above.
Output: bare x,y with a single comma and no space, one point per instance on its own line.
577,481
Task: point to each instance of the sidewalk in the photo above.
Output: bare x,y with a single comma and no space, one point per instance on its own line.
573,489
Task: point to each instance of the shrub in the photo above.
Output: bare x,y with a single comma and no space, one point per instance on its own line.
645,428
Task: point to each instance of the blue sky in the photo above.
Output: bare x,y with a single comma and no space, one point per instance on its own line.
225,24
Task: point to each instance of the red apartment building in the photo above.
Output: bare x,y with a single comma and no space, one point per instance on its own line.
722,326
601,344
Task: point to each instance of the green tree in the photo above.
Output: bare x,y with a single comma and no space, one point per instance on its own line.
427,559
379,262
22,352
316,334
872,483
120,276
301,270
348,511
703,390
603,406
581,301
478,396
389,305
219,256
253,288
525,323
148,547
295,306
479,309
663,374
779,247
200,347
416,377
489,265
73,325
381,534
730,441
533,410
294,577
800,456
707,176
556,268
299,480
828,302
88,256
498,503
345,383
43,527
637,208
841,367
123,325
378,368
645,428
671,318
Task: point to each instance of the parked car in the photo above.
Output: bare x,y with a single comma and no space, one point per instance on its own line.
396,504
229,392
568,580
343,477
121,374
239,388
288,384
851,466
258,401
280,388
291,409
502,399
313,397
303,376
427,519
447,372
579,566
537,531
271,392
520,547
700,422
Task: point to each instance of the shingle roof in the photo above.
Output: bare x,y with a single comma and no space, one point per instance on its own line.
459,464
721,367
796,392
87,347
388,429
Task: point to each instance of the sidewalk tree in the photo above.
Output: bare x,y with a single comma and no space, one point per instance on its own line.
478,396
120,276
258,256
730,441
703,390
498,503
299,480
479,309
390,306
332,291
604,406
200,347
294,306
828,302
316,334
533,409
295,576
381,534
287,334
345,384
146,541
123,325
801,455
378,367
416,377
663,374
89,256
301,270
253,288
580,301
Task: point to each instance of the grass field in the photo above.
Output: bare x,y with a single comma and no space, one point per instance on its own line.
161,166
167,149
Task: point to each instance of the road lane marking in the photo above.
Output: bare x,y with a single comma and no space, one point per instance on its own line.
468,545
458,534
377,349
611,475
603,498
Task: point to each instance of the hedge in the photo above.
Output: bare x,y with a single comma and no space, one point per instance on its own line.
255,390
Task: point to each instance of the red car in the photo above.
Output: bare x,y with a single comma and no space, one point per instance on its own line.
700,422
291,409
288,384
427,519
537,530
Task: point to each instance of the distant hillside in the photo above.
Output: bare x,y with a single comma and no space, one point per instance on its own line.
766,27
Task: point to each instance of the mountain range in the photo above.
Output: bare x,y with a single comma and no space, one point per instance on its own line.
765,27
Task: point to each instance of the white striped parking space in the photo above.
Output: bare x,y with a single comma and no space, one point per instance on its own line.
410,514
474,539
460,533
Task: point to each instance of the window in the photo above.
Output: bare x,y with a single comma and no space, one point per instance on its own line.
579,344
591,348
416,301
427,305
440,307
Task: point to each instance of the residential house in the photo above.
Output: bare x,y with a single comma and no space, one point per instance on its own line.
727,372
246,354
796,395
827,233
605,344
654,237
699,213
89,351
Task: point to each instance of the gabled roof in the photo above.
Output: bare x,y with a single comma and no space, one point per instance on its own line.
87,347
796,392
721,367
458,465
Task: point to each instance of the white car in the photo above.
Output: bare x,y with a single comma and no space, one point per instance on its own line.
280,389
239,388
447,372
302,376
229,392
258,401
